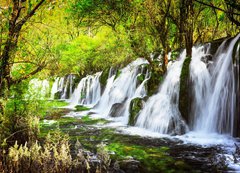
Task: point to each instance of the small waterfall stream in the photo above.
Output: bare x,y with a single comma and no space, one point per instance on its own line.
160,113
88,91
63,86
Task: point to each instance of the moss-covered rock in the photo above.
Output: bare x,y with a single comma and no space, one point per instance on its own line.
57,95
117,74
185,91
135,106
104,77
236,66
156,77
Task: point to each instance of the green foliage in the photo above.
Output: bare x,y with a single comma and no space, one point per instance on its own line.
87,54
141,78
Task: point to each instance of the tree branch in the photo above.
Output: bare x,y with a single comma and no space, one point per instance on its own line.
29,15
212,6
38,69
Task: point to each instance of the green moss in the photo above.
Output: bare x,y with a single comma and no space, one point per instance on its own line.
174,55
57,95
135,107
141,78
154,83
184,98
117,74
81,108
89,121
49,107
104,77
156,77
153,159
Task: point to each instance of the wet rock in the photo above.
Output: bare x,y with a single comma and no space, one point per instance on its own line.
236,66
215,45
177,127
207,58
103,78
57,95
185,94
136,106
130,166
117,110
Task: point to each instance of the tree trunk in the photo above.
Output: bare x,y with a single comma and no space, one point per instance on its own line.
186,26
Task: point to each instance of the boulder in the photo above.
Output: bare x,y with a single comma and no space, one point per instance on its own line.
136,106
117,110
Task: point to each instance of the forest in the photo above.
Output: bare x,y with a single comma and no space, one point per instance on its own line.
119,86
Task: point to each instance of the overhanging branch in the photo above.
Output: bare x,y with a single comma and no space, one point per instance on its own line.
212,6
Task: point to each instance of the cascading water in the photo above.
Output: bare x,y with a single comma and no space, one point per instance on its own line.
63,96
214,91
88,91
160,113
67,90
119,92
55,87
63,86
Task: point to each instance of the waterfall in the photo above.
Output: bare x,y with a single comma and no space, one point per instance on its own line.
213,88
88,91
118,93
214,91
63,86
55,87
160,113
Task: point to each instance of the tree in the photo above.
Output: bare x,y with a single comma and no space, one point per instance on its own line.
15,15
